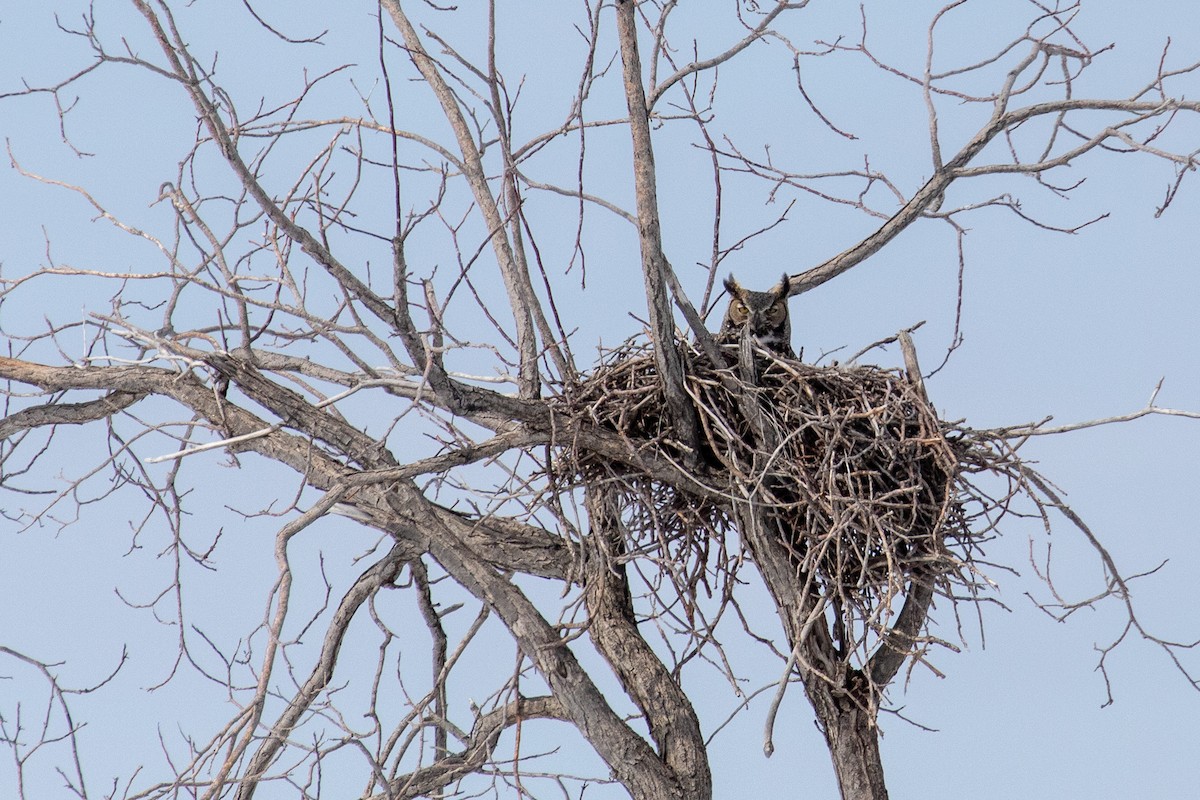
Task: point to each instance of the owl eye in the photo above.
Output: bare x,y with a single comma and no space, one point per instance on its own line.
739,307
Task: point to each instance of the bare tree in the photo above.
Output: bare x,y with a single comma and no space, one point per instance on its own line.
374,284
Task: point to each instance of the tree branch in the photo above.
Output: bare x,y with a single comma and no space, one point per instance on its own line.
929,196
654,262
628,755
66,413
516,280
377,575
480,745
668,710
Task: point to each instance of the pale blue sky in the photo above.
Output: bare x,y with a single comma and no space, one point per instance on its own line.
1075,326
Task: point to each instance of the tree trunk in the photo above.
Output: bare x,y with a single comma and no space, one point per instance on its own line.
853,741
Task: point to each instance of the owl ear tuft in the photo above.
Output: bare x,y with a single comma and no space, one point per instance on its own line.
732,286
782,289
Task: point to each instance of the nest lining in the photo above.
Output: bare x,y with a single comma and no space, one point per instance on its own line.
855,468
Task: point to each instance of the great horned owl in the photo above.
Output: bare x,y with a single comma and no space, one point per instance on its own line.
765,313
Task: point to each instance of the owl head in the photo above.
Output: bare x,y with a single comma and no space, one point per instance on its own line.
765,313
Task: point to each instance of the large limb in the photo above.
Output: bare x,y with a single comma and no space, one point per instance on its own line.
667,709
505,543
632,761
655,269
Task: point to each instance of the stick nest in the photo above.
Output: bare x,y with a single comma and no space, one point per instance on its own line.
856,470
